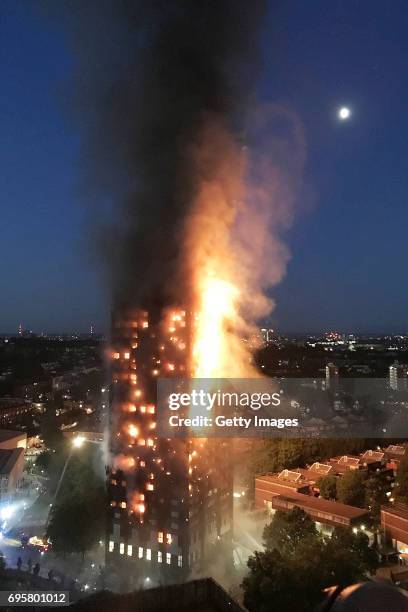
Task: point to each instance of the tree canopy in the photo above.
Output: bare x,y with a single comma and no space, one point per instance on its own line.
327,486
77,522
350,488
298,563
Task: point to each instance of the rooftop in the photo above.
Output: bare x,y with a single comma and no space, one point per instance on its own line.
308,502
291,479
397,509
9,434
8,459
322,469
203,595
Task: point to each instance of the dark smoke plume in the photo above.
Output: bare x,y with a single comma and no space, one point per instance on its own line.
149,75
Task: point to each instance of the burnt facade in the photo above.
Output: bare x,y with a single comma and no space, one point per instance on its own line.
170,503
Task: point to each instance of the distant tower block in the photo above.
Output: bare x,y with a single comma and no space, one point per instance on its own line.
398,376
332,377
20,329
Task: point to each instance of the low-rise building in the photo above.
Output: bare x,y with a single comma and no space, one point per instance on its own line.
11,471
10,439
393,455
323,511
12,408
284,483
370,460
394,526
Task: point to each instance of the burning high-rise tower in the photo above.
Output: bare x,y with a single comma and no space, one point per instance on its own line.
170,504
166,87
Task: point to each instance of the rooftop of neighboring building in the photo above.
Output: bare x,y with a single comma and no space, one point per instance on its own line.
397,509
324,505
9,434
286,478
394,451
203,595
8,459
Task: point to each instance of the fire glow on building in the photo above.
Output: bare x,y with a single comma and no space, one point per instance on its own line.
170,502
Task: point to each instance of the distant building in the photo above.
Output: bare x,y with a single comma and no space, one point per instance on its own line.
12,408
268,335
332,377
398,376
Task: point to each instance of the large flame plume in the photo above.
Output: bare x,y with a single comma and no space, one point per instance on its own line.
233,250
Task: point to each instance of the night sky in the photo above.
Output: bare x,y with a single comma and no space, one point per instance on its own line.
348,241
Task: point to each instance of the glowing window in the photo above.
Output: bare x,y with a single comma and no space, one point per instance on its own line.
169,539
111,546
168,558
121,548
123,504
148,554
160,557
160,537
129,550
140,552
116,355
180,560
149,486
127,355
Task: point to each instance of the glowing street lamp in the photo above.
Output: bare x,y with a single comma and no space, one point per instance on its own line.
78,441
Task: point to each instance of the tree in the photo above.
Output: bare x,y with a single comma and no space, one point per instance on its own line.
78,519
401,490
269,584
297,565
288,529
77,523
376,488
327,486
349,556
350,488
43,460
50,428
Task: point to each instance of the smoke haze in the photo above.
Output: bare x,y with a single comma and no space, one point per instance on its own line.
150,77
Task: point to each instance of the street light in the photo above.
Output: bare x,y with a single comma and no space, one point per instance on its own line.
78,441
